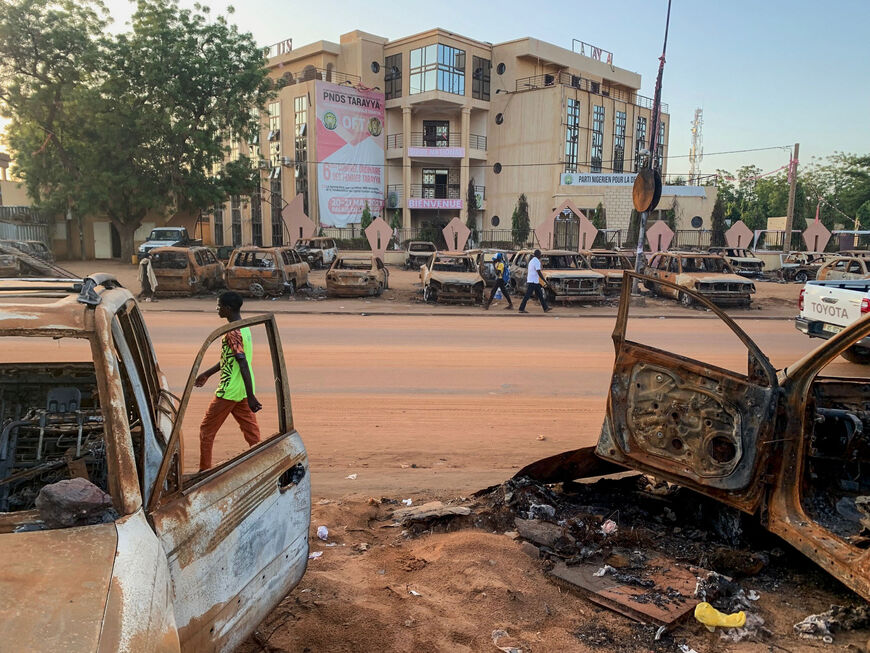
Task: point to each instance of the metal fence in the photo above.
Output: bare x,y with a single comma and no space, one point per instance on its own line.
584,84
15,231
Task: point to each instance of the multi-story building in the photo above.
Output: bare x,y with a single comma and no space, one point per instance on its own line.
523,116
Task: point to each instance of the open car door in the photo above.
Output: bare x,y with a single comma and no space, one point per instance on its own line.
235,536
701,426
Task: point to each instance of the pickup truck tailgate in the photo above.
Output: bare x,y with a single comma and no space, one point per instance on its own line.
836,303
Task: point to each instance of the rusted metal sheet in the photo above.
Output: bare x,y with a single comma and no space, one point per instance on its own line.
665,599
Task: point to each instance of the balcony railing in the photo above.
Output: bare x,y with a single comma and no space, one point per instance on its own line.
436,191
476,142
310,73
395,141
421,139
578,82
395,196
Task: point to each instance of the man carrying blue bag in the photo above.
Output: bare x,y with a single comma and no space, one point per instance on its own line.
502,276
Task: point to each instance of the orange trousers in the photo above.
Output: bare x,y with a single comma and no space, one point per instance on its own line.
215,416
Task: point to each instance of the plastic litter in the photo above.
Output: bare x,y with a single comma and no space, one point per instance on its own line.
352,477
752,595
539,510
322,533
606,569
685,648
498,635
407,502
711,617
609,527
315,554
413,593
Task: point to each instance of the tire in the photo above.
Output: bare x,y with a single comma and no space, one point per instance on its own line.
801,276
256,289
856,354
686,300
380,290
430,295
551,296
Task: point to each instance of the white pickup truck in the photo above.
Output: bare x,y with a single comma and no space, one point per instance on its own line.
828,307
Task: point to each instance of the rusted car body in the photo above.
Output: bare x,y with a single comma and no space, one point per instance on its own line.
9,266
565,276
484,259
709,274
180,562
186,270
789,446
419,252
845,267
611,265
742,260
800,266
357,276
261,271
451,277
317,252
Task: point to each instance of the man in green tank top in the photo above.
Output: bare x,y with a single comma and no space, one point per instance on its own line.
235,392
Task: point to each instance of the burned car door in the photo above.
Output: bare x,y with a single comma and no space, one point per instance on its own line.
236,535
692,423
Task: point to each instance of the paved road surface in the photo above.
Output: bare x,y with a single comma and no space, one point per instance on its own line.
463,399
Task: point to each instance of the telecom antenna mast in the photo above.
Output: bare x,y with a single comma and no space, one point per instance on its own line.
696,151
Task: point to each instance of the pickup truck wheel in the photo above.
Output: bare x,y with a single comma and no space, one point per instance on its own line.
801,276
856,354
686,300
256,289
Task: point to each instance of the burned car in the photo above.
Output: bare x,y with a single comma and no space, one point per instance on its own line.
115,547
419,252
451,277
317,252
485,262
358,275
565,276
789,446
709,274
261,271
9,266
800,266
609,263
845,267
186,270
744,262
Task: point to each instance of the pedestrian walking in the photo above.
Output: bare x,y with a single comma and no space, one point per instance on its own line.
533,283
235,392
502,276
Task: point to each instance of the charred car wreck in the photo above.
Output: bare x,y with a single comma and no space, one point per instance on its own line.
157,560
790,446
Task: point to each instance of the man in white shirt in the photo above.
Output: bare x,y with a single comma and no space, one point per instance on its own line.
533,283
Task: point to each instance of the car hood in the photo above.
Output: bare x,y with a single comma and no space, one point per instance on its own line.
739,260
54,587
455,277
570,274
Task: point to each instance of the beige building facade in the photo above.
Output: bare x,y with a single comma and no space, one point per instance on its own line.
507,118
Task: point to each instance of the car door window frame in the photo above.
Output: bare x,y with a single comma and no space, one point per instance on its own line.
169,479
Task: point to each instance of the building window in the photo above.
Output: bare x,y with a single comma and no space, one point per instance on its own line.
275,134
435,183
393,76
277,221
436,133
218,225
597,138
639,141
256,220
300,106
236,218
660,147
619,142
437,67
481,69
572,134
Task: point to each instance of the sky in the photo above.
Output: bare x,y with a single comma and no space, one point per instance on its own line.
767,73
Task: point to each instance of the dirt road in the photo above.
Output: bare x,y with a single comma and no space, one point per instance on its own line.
415,404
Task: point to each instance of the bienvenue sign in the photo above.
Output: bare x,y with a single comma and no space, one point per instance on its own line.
596,179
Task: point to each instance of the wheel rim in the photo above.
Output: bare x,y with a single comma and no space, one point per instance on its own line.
257,290
801,277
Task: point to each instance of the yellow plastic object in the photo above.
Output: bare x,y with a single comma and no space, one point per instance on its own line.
711,617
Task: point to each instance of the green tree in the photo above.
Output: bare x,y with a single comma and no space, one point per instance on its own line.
863,214
520,223
129,124
473,209
717,220
396,220
598,220
366,218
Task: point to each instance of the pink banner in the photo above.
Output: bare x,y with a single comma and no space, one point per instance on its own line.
350,152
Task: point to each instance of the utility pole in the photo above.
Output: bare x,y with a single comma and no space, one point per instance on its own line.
792,187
